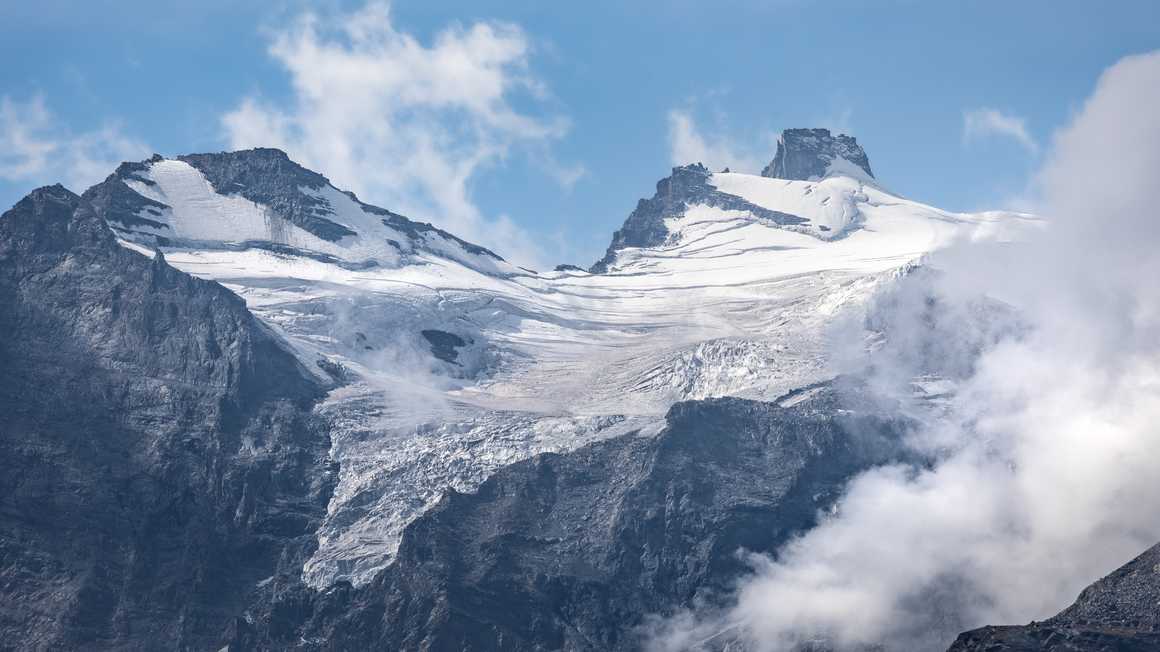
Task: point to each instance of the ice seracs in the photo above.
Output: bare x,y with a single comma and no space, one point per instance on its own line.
718,285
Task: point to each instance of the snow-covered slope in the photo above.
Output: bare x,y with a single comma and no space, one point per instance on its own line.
830,206
449,363
260,199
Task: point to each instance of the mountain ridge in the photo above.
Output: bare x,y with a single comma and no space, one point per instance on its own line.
731,303
688,184
422,389
274,203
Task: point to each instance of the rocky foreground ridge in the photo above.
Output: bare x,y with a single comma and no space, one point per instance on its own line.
1119,613
158,455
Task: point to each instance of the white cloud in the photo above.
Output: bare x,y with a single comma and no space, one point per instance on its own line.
982,122
35,147
408,124
687,144
1043,472
24,151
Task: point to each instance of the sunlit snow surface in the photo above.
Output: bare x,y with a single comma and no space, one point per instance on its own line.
731,305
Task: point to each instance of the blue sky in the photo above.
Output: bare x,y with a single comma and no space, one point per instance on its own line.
564,114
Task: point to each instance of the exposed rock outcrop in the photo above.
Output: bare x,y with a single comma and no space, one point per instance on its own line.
267,176
289,192
687,185
809,154
574,551
158,453
1119,613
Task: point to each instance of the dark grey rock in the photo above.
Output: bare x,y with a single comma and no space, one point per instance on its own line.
568,268
573,551
267,176
122,208
158,453
1119,613
687,185
805,154
418,230
444,345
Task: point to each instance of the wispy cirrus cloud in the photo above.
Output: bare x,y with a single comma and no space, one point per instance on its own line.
689,143
987,122
409,124
36,147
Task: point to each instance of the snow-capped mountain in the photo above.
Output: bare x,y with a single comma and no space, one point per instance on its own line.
580,405
451,363
805,155
260,199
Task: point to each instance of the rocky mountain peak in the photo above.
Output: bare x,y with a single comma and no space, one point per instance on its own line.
191,201
48,220
236,168
268,176
811,154
686,186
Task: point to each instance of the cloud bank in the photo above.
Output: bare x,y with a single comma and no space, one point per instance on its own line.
1044,471
408,124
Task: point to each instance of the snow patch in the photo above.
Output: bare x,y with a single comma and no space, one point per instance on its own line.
830,205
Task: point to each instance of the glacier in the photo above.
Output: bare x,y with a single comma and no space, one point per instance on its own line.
723,301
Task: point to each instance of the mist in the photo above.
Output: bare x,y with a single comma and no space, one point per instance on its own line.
1043,463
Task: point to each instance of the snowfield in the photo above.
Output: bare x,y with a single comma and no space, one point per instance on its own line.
730,305
198,215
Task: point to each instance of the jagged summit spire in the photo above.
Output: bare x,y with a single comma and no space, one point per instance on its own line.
810,154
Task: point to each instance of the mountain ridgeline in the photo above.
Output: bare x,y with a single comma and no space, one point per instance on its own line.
274,204
802,155
401,441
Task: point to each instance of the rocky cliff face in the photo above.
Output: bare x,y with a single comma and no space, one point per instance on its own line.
574,551
158,455
686,186
809,154
1120,613
124,210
